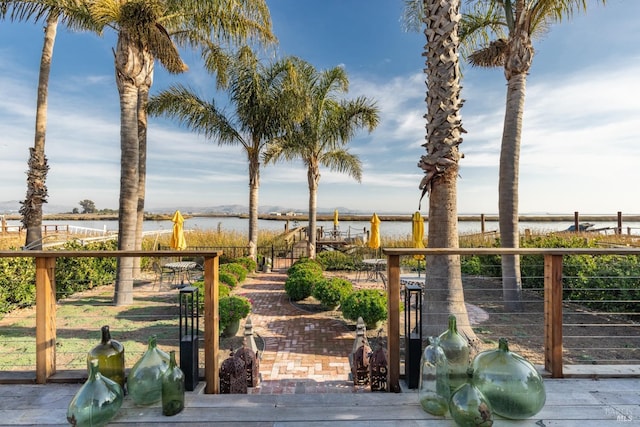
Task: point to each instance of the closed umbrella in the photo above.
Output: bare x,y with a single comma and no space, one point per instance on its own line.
177,238
335,219
417,235
374,238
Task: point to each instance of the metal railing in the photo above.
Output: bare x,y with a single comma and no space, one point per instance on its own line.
553,304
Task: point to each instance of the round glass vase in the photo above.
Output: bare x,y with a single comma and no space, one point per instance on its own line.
97,401
433,385
144,383
110,357
469,407
172,388
510,382
456,348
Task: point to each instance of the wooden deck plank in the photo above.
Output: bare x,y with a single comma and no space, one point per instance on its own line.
570,403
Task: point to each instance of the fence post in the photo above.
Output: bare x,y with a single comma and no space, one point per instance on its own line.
211,329
393,326
45,319
553,315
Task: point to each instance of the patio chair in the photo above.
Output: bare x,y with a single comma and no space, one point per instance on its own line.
162,273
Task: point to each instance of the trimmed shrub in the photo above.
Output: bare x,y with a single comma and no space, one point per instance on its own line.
299,285
228,279
331,292
305,264
232,308
335,261
370,304
223,291
249,263
236,269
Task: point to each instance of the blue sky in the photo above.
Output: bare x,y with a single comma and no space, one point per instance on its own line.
580,145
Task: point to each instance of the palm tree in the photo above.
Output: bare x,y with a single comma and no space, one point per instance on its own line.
146,31
74,15
439,21
499,33
320,136
257,94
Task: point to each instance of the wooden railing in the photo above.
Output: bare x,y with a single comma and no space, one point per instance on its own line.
45,262
553,324
553,308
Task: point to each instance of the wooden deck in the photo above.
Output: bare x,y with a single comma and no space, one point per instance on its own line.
570,403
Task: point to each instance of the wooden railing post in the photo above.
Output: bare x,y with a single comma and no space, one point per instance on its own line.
45,319
393,323
211,332
553,315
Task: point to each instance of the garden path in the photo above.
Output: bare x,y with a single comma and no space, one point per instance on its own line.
304,352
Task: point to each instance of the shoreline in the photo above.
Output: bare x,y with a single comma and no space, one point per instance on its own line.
342,217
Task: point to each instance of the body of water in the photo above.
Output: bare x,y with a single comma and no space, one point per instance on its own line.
387,228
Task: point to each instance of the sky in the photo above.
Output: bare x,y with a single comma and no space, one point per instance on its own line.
581,130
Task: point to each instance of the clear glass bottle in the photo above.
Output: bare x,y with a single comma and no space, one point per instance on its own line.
469,407
172,388
110,357
97,401
456,348
144,383
510,382
433,386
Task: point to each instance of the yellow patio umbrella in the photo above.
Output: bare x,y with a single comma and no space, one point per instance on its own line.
417,233
374,237
335,219
177,238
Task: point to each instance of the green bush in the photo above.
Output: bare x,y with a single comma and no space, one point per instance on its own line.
370,304
228,279
336,261
249,263
223,291
331,292
299,285
17,276
232,308
236,269
305,264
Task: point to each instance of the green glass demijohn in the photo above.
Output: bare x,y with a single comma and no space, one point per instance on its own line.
144,383
172,388
97,401
433,385
456,348
110,357
510,382
469,407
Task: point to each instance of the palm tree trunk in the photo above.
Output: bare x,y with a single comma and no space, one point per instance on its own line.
508,191
31,209
254,186
444,295
128,64
313,177
143,99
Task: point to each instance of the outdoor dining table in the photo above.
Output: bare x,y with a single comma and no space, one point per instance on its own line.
377,265
181,269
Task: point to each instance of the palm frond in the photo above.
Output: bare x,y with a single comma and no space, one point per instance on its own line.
342,161
182,104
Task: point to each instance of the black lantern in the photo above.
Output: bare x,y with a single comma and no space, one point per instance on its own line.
412,333
189,319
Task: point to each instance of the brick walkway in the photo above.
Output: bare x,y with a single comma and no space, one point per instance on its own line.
304,352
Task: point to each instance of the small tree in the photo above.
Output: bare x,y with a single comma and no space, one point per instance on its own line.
87,206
